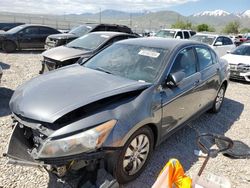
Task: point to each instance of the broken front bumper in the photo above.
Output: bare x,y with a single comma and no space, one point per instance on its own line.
19,149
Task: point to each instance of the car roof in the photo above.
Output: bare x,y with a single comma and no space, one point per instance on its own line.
175,29
156,42
110,33
38,25
212,35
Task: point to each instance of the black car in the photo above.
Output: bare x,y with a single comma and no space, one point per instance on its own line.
61,39
116,107
25,36
84,47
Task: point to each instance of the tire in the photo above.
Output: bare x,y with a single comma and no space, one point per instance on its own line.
133,159
9,46
218,100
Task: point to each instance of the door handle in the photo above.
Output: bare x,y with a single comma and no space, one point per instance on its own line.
196,82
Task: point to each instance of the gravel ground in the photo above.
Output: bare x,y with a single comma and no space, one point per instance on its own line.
233,121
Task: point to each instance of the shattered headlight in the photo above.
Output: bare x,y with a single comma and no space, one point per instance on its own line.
82,142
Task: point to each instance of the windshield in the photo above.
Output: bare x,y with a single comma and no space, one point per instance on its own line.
15,29
165,34
80,30
130,61
204,38
242,50
89,42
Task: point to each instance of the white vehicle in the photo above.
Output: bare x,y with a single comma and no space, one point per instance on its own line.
221,44
175,33
239,62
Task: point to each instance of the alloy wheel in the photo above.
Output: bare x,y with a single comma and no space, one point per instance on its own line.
136,154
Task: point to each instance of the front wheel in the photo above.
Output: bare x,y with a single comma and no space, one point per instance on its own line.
134,156
218,100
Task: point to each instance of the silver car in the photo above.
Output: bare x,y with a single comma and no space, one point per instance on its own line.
221,44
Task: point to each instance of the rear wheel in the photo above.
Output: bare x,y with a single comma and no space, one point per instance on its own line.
9,46
218,100
134,156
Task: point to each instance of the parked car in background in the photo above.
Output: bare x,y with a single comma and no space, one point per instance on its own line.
8,26
116,107
27,36
84,47
1,73
239,61
64,38
221,44
175,33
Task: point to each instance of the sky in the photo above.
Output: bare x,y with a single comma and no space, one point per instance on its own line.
184,7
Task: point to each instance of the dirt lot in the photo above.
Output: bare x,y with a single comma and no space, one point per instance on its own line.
233,121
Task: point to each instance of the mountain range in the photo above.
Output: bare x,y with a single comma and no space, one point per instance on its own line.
138,21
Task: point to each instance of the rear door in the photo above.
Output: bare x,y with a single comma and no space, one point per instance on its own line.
44,32
210,79
179,103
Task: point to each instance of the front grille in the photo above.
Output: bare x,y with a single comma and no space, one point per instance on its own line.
240,68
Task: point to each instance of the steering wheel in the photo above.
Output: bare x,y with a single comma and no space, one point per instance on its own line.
223,143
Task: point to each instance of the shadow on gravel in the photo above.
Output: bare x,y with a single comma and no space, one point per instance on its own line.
182,144
4,65
239,81
31,51
5,95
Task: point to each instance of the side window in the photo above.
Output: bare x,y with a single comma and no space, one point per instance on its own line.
227,41
179,33
192,33
111,28
215,57
204,57
44,31
186,35
100,28
219,39
31,31
185,61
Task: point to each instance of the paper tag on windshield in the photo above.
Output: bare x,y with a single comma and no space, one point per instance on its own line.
149,53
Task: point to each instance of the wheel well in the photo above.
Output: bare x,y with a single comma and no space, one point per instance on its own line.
155,132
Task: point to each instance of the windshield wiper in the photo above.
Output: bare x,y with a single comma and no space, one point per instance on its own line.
103,70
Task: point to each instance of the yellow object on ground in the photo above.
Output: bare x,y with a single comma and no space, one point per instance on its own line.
173,174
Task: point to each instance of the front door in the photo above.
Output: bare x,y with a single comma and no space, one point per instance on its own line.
29,37
180,102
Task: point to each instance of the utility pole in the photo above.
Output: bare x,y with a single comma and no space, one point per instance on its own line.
100,16
130,20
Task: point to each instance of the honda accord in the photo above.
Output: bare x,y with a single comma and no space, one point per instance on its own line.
116,107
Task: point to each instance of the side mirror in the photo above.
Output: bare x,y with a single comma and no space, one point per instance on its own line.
178,37
218,44
228,52
174,79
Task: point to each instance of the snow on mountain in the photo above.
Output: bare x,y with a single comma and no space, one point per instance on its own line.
212,13
245,14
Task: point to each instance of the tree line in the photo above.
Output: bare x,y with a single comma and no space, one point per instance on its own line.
231,28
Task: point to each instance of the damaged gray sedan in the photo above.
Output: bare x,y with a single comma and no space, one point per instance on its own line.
116,107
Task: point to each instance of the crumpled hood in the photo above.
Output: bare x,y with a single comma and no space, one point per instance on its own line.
63,36
63,53
236,59
50,96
